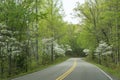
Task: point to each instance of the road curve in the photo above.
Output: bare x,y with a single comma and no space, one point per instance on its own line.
75,68
87,71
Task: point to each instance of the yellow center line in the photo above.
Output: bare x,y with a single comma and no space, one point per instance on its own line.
68,71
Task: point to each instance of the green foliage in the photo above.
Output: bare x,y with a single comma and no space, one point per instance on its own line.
100,23
46,59
28,22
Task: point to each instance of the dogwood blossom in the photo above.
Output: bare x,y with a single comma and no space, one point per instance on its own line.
86,51
103,49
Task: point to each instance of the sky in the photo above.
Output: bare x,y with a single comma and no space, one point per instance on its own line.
68,6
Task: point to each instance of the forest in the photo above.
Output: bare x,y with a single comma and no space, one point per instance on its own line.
100,34
33,33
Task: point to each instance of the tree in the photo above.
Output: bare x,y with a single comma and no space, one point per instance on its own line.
100,23
53,20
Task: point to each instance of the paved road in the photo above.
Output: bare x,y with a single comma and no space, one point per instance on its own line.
76,69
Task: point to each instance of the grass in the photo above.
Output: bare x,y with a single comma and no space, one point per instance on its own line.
57,61
114,72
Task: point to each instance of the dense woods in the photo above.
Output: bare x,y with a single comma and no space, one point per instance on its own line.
33,33
100,33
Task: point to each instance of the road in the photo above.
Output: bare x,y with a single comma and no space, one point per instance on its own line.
71,69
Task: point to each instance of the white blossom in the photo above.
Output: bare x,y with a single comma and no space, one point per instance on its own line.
1,37
4,31
68,47
47,40
86,51
59,50
2,44
103,49
48,43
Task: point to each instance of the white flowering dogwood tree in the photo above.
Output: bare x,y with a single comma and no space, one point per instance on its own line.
51,47
103,49
86,51
9,48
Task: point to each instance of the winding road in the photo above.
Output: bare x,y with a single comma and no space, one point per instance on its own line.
71,69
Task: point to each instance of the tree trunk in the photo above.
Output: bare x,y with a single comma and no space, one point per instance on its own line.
52,52
10,63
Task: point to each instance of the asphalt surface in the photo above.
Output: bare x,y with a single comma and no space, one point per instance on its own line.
82,71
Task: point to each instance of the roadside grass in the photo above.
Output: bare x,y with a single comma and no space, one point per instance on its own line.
41,67
114,72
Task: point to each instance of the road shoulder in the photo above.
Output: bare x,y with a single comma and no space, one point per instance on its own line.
103,68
